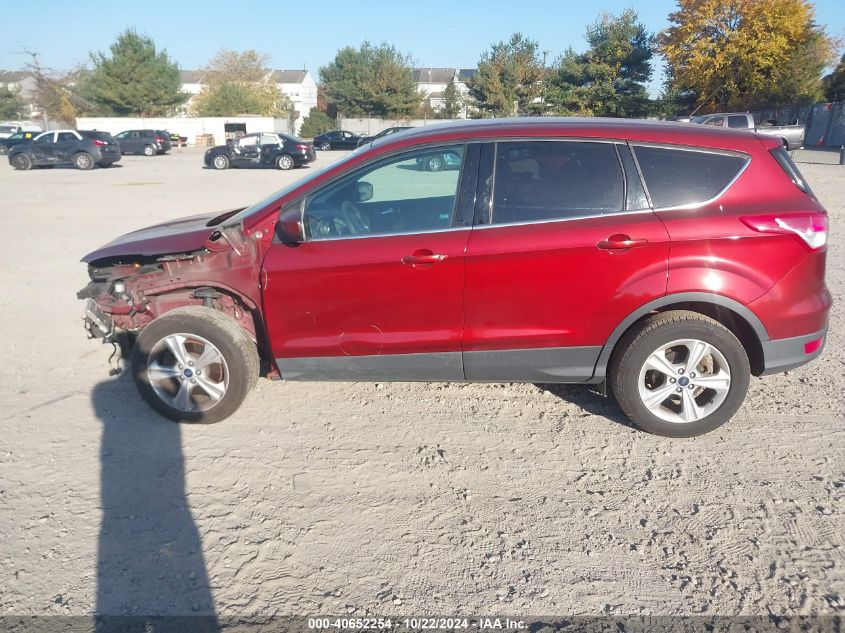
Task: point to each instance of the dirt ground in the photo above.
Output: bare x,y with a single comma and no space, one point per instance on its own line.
383,498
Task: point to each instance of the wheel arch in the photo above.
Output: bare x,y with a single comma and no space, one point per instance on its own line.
739,319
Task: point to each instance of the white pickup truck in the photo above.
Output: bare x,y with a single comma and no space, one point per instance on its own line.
792,136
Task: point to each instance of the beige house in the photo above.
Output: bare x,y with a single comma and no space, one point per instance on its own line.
298,85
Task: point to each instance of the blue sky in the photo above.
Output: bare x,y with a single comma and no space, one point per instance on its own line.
434,32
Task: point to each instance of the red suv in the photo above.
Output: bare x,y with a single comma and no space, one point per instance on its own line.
672,261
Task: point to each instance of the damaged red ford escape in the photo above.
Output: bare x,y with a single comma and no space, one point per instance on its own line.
671,261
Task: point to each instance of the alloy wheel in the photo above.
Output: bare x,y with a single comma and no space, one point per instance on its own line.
187,372
684,381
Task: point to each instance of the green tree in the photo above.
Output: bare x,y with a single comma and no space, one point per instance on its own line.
609,78
237,82
509,80
11,105
452,101
834,83
370,81
316,123
736,55
135,79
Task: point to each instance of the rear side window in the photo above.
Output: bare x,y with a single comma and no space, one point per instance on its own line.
791,169
551,180
676,177
100,136
738,122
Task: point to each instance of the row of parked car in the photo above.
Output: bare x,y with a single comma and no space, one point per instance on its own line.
83,148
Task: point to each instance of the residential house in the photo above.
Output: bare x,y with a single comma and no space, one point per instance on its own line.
432,82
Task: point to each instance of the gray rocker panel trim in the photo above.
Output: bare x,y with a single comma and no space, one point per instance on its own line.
788,353
681,297
437,366
544,365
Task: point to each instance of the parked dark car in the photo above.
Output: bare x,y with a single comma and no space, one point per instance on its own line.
339,139
81,148
146,142
363,140
14,139
671,261
261,149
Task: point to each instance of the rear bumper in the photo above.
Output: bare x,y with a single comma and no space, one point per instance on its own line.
788,353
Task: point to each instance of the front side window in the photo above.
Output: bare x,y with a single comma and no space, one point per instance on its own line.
411,193
551,180
677,177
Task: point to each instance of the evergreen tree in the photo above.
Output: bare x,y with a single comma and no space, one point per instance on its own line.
316,123
452,102
509,80
135,79
372,81
11,105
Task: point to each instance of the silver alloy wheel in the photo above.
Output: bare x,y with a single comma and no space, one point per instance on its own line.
149,150
187,372
325,147
284,162
221,162
84,161
21,161
435,163
684,381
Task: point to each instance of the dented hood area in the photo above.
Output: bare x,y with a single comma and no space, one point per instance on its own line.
176,236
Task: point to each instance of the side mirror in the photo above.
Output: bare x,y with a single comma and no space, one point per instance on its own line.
290,227
365,191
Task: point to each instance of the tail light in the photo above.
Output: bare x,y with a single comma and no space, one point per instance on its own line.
303,147
159,139
810,227
99,143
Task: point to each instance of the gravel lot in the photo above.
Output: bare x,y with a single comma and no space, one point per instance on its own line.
392,499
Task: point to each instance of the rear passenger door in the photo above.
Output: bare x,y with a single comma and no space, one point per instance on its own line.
564,247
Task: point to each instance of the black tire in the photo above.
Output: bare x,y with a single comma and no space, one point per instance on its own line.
150,150
325,147
21,162
285,162
435,163
640,342
221,161
233,343
83,161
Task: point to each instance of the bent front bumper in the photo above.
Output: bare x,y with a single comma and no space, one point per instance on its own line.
784,354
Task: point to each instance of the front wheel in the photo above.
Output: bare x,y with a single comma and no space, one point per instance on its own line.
435,163
325,147
285,162
194,364
22,162
220,162
679,374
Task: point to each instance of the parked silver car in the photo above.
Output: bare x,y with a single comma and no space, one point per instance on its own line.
792,136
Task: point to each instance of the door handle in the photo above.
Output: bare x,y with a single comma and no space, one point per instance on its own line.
424,257
621,242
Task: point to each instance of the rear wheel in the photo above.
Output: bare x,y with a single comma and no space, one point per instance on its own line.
285,162
83,161
435,163
194,364
679,374
23,162
149,150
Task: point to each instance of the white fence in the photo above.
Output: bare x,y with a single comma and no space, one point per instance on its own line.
374,126
184,126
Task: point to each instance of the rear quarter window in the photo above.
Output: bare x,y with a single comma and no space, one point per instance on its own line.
791,169
677,177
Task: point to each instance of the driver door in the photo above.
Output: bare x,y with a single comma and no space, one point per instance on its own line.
245,151
375,292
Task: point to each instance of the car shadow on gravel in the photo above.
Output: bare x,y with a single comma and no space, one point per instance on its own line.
150,561
590,399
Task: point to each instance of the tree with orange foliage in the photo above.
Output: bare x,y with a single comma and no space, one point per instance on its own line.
738,54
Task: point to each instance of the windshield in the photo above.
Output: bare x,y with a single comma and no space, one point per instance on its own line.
700,119
240,217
